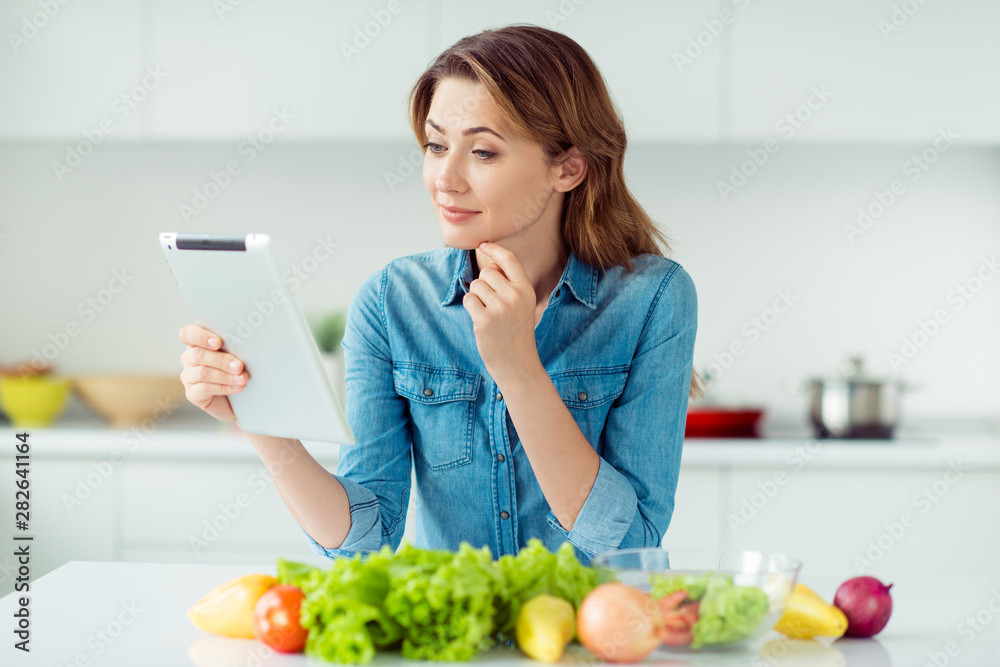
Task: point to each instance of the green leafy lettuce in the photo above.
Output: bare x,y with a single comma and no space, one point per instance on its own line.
536,570
430,605
727,613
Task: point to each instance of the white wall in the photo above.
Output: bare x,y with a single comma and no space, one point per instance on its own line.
783,230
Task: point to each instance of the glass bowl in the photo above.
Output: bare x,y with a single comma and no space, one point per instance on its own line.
730,598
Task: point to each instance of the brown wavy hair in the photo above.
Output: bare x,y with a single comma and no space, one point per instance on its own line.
548,88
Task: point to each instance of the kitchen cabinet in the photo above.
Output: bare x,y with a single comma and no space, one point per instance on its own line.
202,496
71,514
235,511
195,509
884,524
635,51
294,69
73,72
886,72
703,71
697,508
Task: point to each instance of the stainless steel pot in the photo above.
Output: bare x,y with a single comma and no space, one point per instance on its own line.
851,404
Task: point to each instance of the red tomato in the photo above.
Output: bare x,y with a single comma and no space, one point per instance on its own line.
679,616
673,600
276,619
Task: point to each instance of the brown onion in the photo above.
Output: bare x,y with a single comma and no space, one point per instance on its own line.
618,623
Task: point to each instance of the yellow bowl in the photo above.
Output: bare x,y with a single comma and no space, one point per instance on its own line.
131,400
35,400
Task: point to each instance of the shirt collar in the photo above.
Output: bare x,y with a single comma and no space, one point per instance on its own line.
579,278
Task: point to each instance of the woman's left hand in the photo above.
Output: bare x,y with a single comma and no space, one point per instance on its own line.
501,302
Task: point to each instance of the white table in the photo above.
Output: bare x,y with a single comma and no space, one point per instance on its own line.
133,614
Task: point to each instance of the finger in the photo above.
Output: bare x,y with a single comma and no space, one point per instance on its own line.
202,392
485,292
197,336
215,376
508,261
494,277
199,356
473,305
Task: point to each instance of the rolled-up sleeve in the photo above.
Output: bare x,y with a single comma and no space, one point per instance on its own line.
632,499
375,472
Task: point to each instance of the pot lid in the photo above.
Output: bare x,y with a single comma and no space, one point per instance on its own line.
852,369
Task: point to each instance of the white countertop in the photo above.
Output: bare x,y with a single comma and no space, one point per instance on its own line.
927,447
128,614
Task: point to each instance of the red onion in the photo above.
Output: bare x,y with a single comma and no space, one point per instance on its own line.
867,605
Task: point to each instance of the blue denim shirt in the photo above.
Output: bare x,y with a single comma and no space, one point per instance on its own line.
618,347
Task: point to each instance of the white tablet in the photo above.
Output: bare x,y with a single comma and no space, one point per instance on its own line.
234,287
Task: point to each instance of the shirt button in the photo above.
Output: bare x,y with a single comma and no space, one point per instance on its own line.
500,458
582,396
499,396
428,392
504,515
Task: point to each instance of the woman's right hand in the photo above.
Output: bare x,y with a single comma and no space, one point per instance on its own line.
207,376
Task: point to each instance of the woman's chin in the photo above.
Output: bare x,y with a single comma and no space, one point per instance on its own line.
461,239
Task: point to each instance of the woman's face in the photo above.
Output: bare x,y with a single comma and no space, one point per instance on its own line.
501,176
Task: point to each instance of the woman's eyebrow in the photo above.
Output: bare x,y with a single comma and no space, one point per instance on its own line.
466,132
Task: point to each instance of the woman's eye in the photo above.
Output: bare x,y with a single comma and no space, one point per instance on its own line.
481,154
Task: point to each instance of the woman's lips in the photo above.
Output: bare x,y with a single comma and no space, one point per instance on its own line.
453,216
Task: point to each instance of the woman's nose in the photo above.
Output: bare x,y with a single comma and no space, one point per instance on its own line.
449,174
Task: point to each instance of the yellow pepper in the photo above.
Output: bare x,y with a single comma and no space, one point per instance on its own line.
227,609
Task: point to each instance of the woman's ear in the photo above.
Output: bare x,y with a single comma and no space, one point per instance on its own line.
571,171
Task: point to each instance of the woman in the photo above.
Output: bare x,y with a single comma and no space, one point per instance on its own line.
534,373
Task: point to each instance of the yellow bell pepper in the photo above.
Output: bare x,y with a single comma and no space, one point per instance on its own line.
227,609
807,615
544,626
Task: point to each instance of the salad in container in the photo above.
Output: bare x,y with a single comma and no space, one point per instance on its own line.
690,600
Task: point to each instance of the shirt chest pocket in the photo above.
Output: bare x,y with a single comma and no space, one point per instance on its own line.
589,393
442,405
